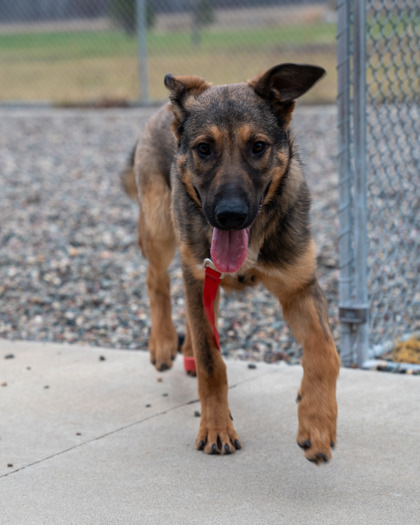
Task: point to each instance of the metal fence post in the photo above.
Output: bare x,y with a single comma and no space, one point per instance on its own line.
344,173
141,17
360,182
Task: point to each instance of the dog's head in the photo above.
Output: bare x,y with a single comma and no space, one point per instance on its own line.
234,148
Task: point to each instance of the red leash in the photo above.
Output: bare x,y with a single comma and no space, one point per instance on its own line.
211,285
212,279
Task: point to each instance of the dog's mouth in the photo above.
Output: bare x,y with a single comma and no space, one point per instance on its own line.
229,249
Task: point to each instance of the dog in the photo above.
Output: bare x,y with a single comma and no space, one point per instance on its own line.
217,176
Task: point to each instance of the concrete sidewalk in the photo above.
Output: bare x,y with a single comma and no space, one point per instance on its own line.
85,440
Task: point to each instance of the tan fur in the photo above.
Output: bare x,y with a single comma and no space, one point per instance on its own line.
193,84
157,243
291,277
129,182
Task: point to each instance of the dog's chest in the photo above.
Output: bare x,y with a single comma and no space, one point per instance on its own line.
240,280
247,275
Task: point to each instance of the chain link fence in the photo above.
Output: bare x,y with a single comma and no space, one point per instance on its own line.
118,51
379,69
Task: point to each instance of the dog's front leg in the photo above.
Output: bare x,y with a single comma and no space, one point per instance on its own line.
217,434
306,312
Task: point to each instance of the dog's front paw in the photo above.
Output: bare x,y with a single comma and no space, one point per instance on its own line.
163,348
317,426
220,439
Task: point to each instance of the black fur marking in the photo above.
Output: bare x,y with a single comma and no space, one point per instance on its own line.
192,227
132,156
198,195
293,233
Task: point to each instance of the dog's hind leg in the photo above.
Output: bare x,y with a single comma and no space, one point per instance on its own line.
157,243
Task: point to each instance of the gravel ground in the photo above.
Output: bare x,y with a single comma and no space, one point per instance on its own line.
70,270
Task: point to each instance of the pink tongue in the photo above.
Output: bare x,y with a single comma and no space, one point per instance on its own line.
229,249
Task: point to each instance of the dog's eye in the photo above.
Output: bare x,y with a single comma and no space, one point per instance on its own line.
258,148
203,149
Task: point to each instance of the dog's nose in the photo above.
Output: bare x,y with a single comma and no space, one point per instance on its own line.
231,214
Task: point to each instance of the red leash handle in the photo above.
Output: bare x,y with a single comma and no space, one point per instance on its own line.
212,278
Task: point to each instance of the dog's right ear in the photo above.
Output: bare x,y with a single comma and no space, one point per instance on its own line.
286,82
283,84
180,89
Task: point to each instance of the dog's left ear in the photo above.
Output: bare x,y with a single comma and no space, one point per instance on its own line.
180,89
286,82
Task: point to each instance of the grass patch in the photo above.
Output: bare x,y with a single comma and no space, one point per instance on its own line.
226,41
84,65
71,45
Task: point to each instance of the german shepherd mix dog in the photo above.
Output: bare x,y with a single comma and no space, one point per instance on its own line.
217,175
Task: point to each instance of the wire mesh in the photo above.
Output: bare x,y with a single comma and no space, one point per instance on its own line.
393,71
70,51
389,30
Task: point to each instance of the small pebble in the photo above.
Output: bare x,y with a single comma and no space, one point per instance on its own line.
102,358
9,356
148,405
197,413
165,395
46,387
10,465
159,380
4,384
252,366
